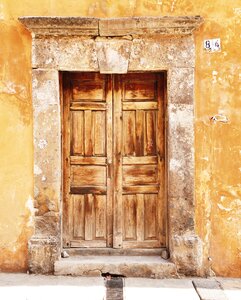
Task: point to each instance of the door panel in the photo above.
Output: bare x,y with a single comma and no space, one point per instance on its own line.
87,175
139,174
89,217
88,87
113,151
87,192
142,166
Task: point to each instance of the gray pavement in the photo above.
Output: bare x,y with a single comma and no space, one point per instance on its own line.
156,289
39,287
231,287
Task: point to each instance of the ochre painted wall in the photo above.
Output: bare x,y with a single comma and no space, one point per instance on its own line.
217,146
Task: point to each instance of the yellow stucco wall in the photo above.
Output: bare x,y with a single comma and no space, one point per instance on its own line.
217,146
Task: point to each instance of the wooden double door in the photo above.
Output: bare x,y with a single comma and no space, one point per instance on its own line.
113,160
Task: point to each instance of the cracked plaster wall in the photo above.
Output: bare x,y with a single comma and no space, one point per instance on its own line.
217,145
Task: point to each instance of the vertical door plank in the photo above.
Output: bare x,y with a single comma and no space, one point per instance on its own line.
140,121
77,134
147,129
100,216
89,217
90,178
129,132
78,216
99,128
109,154
162,203
67,212
129,203
117,164
88,133
150,216
140,217
150,133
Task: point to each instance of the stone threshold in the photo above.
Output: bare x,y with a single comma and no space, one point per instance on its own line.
115,252
126,266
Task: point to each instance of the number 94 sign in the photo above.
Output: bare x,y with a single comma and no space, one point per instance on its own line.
212,45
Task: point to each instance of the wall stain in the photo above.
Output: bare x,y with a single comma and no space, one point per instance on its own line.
14,255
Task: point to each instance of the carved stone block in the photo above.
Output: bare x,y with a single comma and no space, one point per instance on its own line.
113,55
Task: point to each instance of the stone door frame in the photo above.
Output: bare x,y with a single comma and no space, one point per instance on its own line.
113,46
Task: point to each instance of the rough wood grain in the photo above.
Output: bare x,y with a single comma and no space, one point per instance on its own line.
150,216
87,106
78,216
141,189
130,217
117,164
162,230
150,105
140,133
100,216
77,133
83,160
67,203
116,167
140,217
140,160
109,157
99,133
139,90
88,136
82,190
150,147
129,140
88,175
88,86
89,217
85,203
142,163
140,174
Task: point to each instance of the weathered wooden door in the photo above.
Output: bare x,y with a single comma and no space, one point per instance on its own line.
113,160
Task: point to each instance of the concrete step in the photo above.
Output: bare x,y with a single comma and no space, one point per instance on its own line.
127,266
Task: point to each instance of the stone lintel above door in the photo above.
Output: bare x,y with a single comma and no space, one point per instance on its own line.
134,26
139,44
112,46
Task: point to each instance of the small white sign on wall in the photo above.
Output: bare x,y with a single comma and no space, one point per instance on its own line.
212,45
